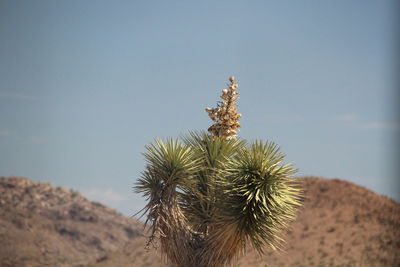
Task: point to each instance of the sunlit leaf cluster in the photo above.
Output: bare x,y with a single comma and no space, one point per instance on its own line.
209,198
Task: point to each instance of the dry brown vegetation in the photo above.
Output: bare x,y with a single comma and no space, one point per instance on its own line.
340,224
41,225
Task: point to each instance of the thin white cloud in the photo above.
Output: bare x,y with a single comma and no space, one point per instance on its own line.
6,133
108,197
381,126
17,96
348,117
33,139
355,121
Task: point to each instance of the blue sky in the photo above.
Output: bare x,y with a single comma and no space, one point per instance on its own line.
85,85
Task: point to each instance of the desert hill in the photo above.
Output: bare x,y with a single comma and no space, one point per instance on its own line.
340,224
41,225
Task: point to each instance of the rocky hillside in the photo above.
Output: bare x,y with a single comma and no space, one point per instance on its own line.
41,225
340,224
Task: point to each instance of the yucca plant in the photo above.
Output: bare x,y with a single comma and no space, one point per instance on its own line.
212,195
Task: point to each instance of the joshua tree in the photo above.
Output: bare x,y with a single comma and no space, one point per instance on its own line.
212,195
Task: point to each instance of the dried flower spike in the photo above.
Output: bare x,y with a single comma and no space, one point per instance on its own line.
225,116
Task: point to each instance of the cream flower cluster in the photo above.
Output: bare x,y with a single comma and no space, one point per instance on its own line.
225,116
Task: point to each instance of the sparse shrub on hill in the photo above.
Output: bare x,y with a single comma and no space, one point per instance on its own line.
211,195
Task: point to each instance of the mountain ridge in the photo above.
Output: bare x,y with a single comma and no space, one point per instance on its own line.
339,224
53,226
